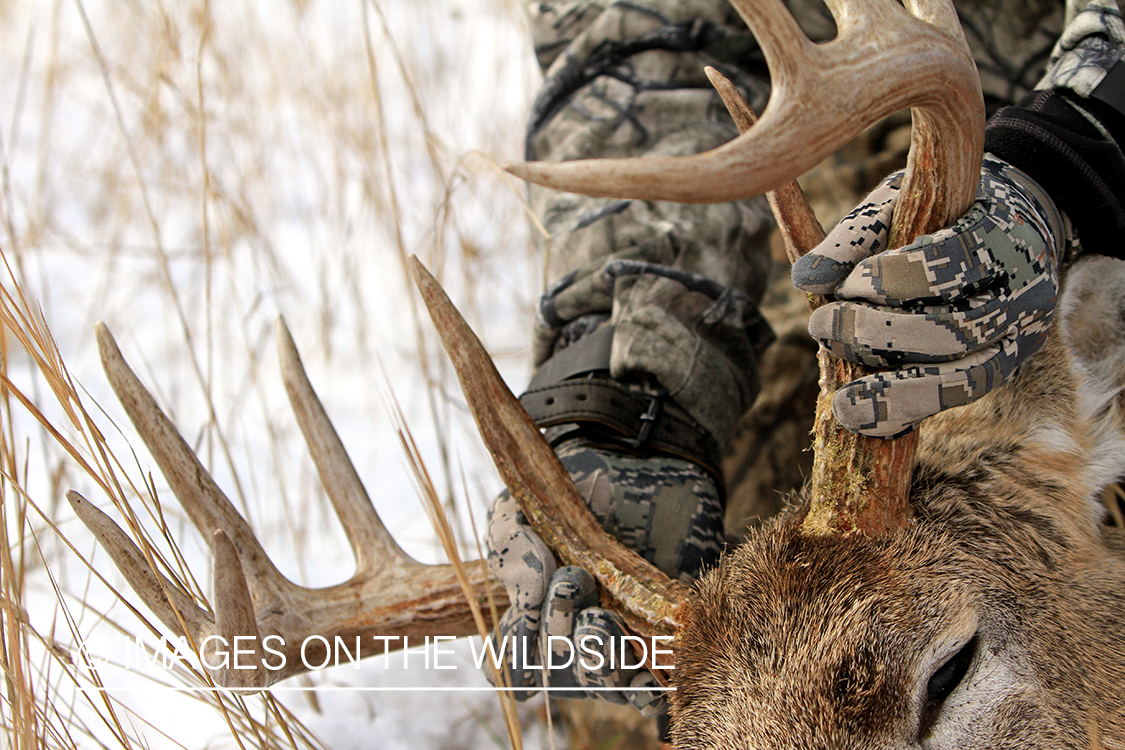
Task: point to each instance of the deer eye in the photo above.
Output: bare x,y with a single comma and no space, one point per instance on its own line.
944,681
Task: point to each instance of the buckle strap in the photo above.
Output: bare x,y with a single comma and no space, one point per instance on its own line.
627,417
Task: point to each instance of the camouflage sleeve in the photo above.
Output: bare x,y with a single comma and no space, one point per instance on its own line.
1089,47
679,283
1067,133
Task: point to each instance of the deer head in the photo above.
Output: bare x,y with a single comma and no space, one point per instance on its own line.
992,622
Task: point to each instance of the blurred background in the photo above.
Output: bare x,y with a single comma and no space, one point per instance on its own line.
187,171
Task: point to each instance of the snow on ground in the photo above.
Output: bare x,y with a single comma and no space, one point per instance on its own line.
334,137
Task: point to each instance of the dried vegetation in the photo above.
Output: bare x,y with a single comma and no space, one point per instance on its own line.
186,172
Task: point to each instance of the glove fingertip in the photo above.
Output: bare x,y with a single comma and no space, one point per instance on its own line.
599,621
820,274
573,587
645,695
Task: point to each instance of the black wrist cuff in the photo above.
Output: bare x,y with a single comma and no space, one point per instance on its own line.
1080,168
574,388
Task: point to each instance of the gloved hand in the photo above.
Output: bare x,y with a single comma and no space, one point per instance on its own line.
667,509
953,313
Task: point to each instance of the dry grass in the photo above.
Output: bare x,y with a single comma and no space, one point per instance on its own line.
186,172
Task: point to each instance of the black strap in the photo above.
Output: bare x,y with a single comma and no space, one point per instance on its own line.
625,416
1111,90
617,413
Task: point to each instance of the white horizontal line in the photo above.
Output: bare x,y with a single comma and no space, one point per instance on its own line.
412,689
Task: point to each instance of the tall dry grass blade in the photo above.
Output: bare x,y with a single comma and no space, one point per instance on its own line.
440,523
165,263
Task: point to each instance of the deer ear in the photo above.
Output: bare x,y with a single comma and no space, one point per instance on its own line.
1091,321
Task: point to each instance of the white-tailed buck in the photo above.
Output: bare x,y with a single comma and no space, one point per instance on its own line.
986,613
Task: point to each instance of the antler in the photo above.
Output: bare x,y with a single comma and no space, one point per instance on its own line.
647,599
882,60
885,57
889,58
281,627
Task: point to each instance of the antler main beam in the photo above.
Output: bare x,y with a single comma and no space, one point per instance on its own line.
390,597
282,627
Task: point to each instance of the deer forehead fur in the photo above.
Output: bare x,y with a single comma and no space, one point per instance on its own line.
798,641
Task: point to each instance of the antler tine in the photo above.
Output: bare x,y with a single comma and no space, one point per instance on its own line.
170,603
235,621
256,609
205,503
848,14
740,110
645,597
800,229
781,40
371,543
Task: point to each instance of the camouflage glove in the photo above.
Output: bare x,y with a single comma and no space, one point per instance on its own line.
666,509
953,313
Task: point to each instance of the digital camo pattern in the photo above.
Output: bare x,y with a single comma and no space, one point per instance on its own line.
666,509
1092,44
576,631
524,564
889,404
979,295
